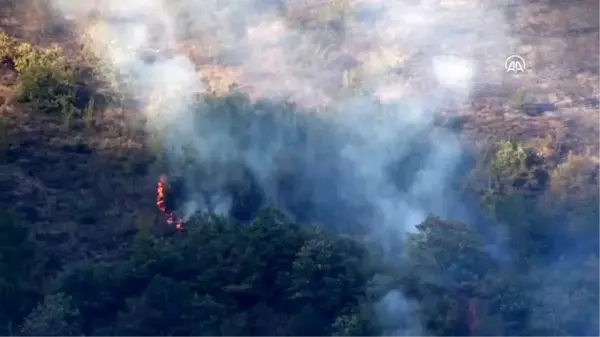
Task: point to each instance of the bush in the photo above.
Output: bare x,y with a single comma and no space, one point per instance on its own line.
55,316
7,46
20,270
45,79
515,168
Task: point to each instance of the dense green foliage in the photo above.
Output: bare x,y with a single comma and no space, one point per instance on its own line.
45,78
270,277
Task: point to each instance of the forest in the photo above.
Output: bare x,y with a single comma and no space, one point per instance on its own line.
297,221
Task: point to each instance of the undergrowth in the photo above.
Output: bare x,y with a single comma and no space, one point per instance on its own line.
46,80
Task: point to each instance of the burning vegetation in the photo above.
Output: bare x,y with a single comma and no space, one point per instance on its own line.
161,202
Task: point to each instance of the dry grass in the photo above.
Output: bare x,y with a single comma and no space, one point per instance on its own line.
72,178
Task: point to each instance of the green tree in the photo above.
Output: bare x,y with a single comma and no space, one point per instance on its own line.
45,79
269,277
565,298
447,265
20,273
520,178
56,316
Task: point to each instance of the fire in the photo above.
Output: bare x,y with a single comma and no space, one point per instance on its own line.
172,219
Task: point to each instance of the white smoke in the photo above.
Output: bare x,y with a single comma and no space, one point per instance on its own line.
453,72
396,315
426,54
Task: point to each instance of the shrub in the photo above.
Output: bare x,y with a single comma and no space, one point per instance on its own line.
45,79
517,168
7,46
20,270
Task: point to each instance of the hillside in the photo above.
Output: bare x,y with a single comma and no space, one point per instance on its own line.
326,174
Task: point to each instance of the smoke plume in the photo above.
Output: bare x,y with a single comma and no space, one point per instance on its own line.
427,54
359,163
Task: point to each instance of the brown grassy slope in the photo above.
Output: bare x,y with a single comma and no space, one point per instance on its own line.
560,41
81,186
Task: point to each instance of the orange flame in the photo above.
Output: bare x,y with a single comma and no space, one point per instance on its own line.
172,219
